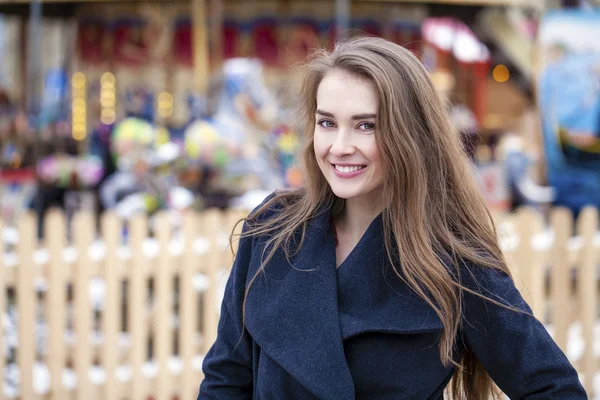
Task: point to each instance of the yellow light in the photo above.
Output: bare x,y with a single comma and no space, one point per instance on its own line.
79,120
165,97
108,116
107,104
108,79
78,110
165,104
165,101
79,94
78,102
107,120
501,73
106,95
79,134
165,113
78,80
79,127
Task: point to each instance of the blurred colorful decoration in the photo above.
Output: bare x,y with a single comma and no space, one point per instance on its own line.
237,137
518,160
231,142
569,97
132,147
450,46
143,184
68,171
131,141
147,163
286,148
203,145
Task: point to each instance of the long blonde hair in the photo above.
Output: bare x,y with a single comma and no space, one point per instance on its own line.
436,212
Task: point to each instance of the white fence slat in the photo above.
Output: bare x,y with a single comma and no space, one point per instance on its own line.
137,307
26,300
163,283
83,227
111,232
188,310
562,225
56,237
587,286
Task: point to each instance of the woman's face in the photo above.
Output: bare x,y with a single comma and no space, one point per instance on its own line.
344,137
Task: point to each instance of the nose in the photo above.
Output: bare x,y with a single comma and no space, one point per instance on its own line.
342,144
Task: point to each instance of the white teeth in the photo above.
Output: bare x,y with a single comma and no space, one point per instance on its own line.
347,169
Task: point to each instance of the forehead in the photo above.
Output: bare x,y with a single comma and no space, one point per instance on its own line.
344,95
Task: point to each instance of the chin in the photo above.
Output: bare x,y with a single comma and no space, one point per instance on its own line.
345,193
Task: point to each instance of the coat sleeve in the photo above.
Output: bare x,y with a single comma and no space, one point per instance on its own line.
227,366
514,347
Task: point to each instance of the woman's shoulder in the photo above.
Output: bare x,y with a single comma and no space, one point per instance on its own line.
273,206
485,282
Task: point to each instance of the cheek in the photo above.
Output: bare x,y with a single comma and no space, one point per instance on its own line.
371,151
377,163
320,146
375,156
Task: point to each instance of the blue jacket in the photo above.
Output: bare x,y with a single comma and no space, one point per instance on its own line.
359,332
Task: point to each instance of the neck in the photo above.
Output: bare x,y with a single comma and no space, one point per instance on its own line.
358,215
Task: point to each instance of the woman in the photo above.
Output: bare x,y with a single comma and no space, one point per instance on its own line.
382,277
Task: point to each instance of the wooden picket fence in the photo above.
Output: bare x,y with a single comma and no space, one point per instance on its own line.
124,348
129,309
555,266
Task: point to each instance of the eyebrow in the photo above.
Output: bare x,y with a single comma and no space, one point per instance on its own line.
358,116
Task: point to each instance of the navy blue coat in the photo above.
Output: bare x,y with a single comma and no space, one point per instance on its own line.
358,332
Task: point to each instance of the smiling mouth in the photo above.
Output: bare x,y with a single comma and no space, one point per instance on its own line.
348,168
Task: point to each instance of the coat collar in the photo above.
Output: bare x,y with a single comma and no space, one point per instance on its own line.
293,309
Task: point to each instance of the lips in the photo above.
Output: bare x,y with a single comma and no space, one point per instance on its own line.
348,171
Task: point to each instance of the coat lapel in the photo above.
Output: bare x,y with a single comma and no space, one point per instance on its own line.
372,298
292,313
